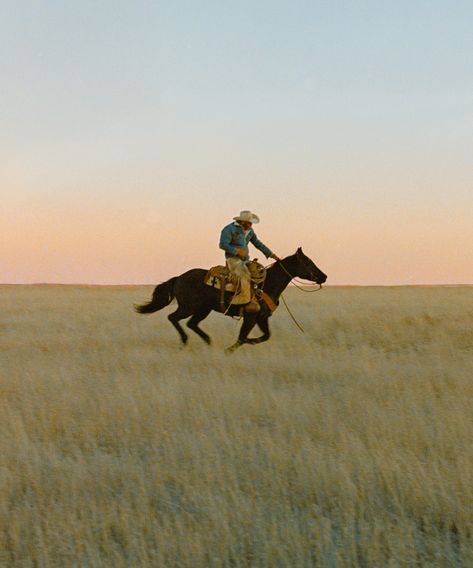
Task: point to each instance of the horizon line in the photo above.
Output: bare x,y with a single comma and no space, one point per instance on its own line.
123,285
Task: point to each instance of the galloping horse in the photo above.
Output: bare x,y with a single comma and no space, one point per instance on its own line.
197,299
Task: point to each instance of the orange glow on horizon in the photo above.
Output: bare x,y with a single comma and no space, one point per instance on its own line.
91,244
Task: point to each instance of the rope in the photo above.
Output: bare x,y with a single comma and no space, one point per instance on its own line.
295,282
290,313
256,278
299,288
237,289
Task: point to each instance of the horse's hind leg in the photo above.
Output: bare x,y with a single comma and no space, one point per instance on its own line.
174,318
195,320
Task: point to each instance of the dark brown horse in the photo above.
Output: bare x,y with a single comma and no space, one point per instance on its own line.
196,300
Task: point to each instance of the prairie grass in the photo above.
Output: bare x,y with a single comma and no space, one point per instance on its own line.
349,445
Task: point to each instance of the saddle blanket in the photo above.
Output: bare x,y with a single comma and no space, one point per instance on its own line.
219,275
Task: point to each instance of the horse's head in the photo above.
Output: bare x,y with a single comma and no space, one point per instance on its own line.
305,268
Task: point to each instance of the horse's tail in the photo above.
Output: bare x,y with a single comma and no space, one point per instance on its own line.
163,295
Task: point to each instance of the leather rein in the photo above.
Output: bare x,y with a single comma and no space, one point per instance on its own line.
299,287
295,282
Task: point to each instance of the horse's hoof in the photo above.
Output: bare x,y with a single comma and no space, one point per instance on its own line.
232,348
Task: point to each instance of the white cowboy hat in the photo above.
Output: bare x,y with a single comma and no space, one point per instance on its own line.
247,216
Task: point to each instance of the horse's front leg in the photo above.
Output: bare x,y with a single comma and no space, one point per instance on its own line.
263,324
249,321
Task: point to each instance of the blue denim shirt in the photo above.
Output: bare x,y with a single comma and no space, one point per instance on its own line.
233,237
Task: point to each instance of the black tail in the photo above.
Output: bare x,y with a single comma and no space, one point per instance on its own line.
162,296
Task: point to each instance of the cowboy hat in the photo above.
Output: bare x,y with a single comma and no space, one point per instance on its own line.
247,216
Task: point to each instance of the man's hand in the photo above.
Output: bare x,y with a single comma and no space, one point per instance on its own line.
241,253
275,256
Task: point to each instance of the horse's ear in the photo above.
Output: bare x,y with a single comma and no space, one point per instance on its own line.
299,250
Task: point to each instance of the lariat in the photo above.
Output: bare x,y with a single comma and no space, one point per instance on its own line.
299,286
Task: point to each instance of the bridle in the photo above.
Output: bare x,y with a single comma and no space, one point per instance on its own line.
293,278
296,283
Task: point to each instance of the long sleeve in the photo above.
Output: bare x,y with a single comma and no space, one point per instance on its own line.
226,241
260,246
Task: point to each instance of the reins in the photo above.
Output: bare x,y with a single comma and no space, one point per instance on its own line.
299,287
291,314
295,282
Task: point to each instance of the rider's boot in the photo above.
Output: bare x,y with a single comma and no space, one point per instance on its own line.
253,305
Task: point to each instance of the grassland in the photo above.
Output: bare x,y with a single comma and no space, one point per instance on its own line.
349,445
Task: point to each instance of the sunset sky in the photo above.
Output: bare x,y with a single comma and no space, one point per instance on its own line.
132,132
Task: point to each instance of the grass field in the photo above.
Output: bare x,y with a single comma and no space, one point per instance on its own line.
349,445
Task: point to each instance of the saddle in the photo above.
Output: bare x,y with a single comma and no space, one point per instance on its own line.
219,277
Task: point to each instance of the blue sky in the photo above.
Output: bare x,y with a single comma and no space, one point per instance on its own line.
340,123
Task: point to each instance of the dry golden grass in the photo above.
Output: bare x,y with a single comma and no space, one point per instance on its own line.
350,445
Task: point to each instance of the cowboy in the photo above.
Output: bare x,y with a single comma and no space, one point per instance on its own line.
234,241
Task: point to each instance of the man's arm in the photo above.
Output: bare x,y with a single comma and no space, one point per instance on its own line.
268,253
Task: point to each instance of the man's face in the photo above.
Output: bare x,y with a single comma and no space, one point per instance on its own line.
246,225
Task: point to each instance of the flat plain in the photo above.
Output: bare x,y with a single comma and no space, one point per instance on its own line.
347,445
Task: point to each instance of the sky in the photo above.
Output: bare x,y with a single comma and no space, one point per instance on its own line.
132,132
